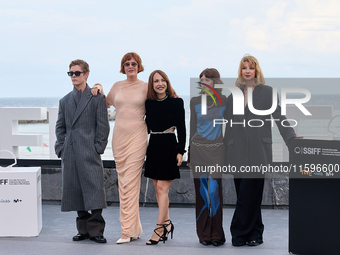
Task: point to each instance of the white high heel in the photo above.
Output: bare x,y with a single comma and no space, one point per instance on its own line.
126,240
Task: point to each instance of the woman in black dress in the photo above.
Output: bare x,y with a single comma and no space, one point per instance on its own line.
164,154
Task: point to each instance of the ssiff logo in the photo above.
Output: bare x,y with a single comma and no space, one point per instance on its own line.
307,150
3,181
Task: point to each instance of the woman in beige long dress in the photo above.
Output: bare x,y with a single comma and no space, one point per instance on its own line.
129,141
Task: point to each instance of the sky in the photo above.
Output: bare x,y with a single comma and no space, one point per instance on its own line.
39,38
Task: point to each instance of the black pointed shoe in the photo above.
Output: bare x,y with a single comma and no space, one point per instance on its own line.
217,243
80,237
206,242
98,239
254,243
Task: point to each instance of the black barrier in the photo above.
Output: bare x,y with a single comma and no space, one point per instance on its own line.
314,198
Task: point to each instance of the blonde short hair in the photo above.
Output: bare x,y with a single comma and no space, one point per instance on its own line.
259,81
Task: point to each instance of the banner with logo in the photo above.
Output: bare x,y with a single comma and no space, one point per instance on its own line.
314,195
20,202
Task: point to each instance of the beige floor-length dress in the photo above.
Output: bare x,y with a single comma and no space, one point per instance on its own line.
129,143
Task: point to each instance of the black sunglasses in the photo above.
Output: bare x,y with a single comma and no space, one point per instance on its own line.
77,73
127,64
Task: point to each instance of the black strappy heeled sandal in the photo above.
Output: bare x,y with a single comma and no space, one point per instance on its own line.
166,232
161,237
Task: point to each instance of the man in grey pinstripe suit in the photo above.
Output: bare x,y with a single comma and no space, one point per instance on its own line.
82,130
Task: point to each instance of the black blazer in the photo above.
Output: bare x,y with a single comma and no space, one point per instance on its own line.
253,145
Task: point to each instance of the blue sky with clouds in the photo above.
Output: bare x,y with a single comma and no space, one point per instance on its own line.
39,38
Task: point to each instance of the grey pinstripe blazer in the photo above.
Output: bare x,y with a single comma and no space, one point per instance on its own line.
82,133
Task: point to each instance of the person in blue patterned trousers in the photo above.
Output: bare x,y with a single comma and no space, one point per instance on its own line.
207,149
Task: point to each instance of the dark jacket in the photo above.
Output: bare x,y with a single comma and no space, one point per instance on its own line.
82,133
253,145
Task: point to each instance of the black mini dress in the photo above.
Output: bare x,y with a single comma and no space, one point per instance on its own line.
163,147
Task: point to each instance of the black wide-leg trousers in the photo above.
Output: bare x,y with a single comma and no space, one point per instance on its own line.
246,224
90,223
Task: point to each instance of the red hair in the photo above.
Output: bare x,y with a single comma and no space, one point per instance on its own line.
129,56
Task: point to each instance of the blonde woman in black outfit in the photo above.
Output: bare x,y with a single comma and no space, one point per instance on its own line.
251,146
164,155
